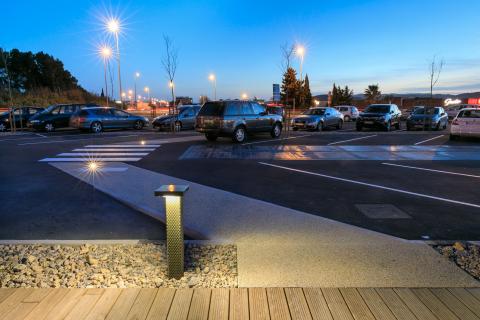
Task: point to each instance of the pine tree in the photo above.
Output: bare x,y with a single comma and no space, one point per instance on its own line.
334,95
307,94
290,87
102,94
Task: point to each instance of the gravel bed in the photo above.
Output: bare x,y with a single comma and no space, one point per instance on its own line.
465,255
116,266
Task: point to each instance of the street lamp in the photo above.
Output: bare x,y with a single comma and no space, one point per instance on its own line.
300,51
244,96
113,26
106,53
212,78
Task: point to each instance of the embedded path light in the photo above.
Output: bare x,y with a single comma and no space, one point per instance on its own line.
173,195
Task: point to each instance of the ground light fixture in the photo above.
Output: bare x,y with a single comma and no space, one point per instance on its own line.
173,195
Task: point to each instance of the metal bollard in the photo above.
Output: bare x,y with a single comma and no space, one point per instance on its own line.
173,195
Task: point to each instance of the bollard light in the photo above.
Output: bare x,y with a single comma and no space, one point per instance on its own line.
173,195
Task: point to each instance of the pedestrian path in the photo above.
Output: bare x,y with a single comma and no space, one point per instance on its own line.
126,152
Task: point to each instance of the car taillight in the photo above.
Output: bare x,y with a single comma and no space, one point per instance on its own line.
455,122
82,119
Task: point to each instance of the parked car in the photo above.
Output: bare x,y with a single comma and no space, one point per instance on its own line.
96,119
185,119
21,115
350,113
452,111
276,110
318,118
427,118
55,117
236,119
466,124
382,116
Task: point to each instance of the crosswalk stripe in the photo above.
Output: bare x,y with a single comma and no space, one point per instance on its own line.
123,146
87,160
113,149
102,154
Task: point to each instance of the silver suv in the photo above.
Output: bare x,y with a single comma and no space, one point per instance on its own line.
236,119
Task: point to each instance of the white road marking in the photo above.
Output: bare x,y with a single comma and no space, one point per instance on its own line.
101,154
428,140
73,140
41,135
431,170
107,169
123,146
288,138
86,159
113,149
374,185
337,142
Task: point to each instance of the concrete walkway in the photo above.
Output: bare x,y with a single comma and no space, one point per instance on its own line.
278,246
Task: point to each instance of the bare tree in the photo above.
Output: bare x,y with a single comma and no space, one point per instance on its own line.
170,61
435,71
287,52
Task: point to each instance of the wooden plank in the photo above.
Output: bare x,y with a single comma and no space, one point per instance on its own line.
297,304
104,304
475,292
277,303
161,304
142,304
395,304
455,305
180,304
124,303
376,305
95,291
317,304
13,300
200,304
83,307
5,292
355,303
219,303
467,298
44,306
434,304
258,302
64,305
239,303
414,304
37,295
337,305
21,310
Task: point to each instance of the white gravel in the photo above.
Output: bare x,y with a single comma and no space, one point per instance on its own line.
117,266
465,255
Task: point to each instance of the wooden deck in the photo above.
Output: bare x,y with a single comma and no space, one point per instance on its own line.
243,303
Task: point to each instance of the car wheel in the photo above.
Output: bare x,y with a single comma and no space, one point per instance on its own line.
3,127
445,125
388,126
347,118
239,135
211,137
138,125
339,124
49,127
276,130
96,127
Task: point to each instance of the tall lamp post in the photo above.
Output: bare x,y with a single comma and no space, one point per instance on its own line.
300,51
106,53
113,25
136,76
213,78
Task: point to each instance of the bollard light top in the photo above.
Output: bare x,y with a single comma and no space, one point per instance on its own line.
171,190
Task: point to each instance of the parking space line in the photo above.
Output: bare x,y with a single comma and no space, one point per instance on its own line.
41,135
431,170
113,149
422,195
88,159
101,154
270,140
73,140
428,140
360,138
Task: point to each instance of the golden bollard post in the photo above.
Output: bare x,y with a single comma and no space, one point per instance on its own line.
173,195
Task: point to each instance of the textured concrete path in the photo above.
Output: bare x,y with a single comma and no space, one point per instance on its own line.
278,246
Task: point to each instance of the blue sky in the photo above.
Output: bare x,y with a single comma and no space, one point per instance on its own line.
355,43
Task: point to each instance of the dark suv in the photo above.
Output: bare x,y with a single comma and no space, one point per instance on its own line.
236,119
20,115
382,116
54,117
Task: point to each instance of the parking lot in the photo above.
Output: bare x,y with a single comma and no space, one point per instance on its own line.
413,185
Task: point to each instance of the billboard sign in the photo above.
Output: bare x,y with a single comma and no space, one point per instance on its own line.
276,92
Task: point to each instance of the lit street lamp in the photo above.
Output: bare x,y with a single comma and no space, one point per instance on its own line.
244,96
106,53
300,51
113,25
147,91
213,78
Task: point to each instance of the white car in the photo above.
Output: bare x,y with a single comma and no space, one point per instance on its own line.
466,124
452,111
349,112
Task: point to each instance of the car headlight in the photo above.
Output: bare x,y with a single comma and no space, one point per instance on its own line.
6,120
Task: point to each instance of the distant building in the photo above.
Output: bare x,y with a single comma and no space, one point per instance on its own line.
183,101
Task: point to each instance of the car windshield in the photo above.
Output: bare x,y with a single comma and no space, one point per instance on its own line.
378,109
212,109
428,111
318,112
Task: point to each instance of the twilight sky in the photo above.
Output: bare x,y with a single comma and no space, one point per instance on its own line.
350,42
